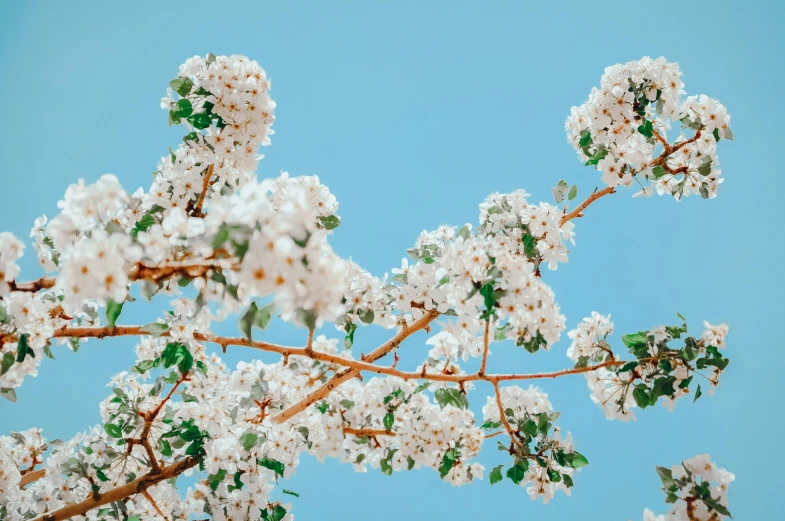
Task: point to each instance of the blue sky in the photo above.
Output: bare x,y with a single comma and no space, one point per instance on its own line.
412,112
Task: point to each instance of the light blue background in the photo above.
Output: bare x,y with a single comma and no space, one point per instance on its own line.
412,112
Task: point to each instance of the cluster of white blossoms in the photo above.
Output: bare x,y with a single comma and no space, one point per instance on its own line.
225,102
11,250
535,230
625,121
698,490
544,461
658,371
221,242
589,339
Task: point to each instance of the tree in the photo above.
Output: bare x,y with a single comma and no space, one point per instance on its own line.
222,243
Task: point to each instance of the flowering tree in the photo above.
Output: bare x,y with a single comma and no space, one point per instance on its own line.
222,244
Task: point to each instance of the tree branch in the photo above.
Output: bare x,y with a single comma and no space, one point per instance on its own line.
205,186
349,373
485,348
138,486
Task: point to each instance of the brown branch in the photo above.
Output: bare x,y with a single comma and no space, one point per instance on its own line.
150,499
578,211
138,486
503,416
33,285
29,477
660,160
367,432
140,271
353,365
349,373
205,186
493,434
485,348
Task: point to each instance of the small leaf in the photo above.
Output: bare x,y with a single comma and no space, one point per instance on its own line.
274,465
8,394
579,460
330,222
113,430
8,361
113,310
155,328
200,121
184,108
389,419
517,472
182,86
248,440
291,493
496,474
573,192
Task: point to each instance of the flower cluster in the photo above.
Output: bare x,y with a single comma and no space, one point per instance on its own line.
225,103
11,250
542,461
697,489
535,230
658,371
621,125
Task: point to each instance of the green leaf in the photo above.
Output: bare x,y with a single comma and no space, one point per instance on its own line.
598,155
8,361
178,354
490,300
23,348
274,465
183,108
585,138
464,232
291,493
182,86
248,440
330,222
8,394
647,129
113,310
256,317
705,168
698,393
573,193
448,461
200,121
388,421
530,246
529,427
518,471
449,396
366,316
641,397
155,328
716,134
113,430
421,387
144,366
658,171
635,339
568,480
215,479
579,460
496,474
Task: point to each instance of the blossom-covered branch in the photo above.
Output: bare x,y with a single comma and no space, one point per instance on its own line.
217,242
